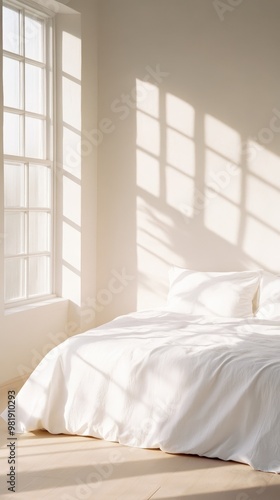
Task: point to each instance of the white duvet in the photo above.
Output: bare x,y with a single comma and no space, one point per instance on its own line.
155,379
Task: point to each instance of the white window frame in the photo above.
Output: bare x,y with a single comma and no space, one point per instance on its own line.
30,8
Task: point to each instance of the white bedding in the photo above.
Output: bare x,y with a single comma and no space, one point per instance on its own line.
157,379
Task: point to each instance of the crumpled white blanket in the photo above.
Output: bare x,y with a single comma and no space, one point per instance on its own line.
156,379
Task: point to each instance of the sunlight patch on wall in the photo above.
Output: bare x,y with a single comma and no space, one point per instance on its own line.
148,174
71,66
180,115
69,185
148,133
165,182
262,244
71,246
263,202
222,139
71,152
148,137
71,129
155,253
71,200
263,163
180,152
147,98
153,229
148,182
179,189
71,55
71,241
222,176
71,285
71,101
222,218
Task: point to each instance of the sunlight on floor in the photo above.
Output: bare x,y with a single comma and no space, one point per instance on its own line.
67,467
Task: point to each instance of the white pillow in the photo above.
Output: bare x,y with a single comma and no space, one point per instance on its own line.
228,294
269,302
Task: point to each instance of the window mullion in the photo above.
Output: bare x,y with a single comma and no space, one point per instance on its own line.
12,55
23,80
27,228
26,166
21,33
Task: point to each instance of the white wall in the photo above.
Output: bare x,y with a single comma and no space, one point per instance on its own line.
215,108
76,111
214,117
29,333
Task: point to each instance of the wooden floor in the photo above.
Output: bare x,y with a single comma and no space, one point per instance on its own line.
77,468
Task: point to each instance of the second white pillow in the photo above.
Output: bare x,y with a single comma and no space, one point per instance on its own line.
216,294
269,304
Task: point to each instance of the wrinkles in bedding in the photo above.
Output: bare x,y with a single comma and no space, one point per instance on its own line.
165,380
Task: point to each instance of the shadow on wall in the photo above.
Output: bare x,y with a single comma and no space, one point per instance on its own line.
198,152
206,195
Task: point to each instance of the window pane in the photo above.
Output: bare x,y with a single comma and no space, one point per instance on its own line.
14,185
11,82
14,279
11,134
28,224
39,232
11,36
39,186
34,138
39,272
14,233
34,33
34,89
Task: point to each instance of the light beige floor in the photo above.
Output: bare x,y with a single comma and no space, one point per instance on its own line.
72,467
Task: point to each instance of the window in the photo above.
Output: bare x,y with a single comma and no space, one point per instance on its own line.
28,153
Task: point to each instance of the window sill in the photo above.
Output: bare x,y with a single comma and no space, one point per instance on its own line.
35,305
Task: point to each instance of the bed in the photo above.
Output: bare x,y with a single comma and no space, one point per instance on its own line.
181,382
